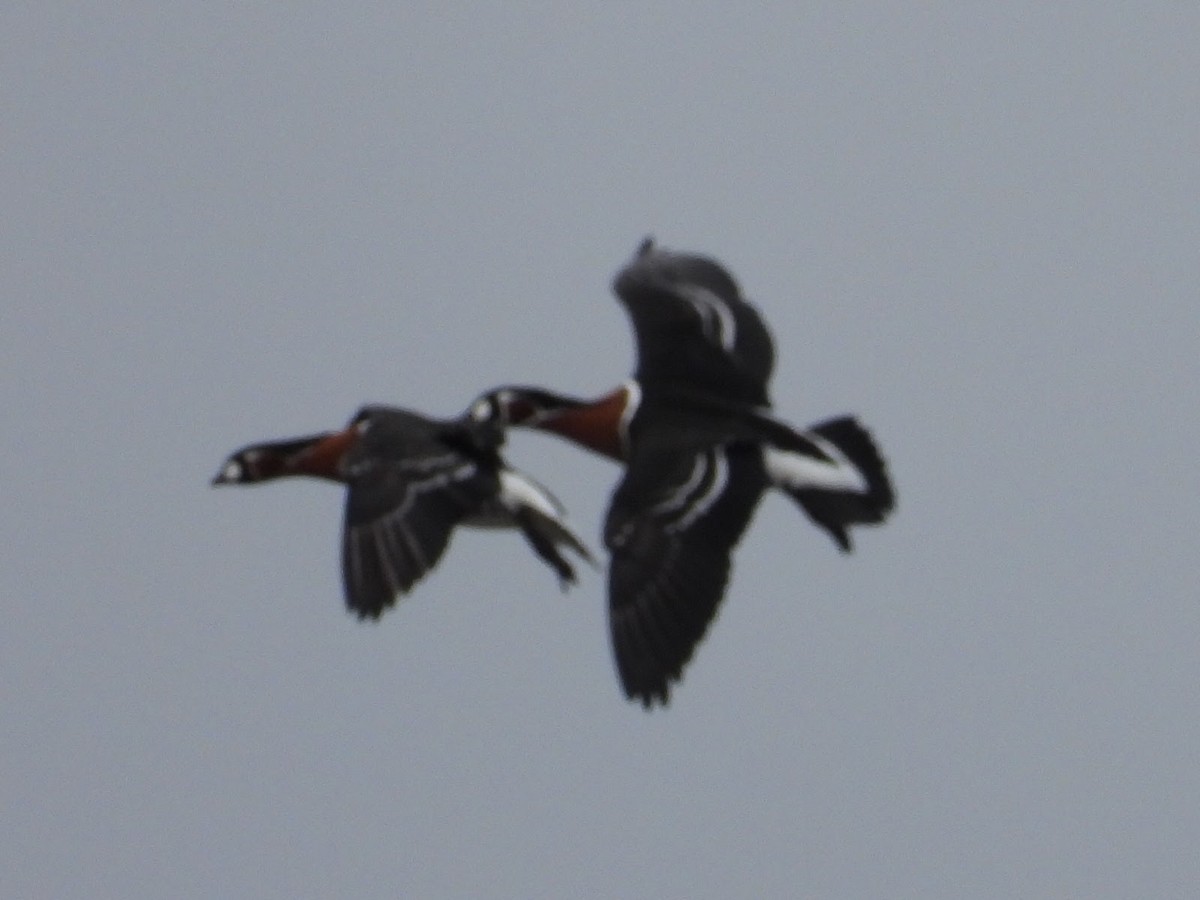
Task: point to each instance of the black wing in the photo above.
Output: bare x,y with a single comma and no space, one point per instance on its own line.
408,488
693,327
399,517
672,526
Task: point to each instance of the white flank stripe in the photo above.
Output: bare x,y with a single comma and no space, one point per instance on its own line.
518,490
796,471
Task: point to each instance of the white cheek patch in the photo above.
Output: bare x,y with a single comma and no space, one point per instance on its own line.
797,471
232,471
481,410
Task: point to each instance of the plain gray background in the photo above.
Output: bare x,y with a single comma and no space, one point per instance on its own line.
977,229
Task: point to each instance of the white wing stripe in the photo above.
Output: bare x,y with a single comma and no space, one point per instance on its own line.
696,495
718,470
682,493
414,547
416,488
380,534
716,319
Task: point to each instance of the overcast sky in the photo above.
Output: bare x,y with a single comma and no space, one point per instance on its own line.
977,230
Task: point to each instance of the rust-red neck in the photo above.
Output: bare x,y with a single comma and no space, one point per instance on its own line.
600,425
323,457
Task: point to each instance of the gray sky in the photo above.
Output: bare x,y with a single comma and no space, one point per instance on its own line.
978,230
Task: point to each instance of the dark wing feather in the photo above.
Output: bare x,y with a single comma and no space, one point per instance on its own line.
408,489
692,326
399,518
672,526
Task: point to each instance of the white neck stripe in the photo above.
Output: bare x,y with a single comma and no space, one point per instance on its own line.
633,399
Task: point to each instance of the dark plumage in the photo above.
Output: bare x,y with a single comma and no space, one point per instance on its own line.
410,481
700,448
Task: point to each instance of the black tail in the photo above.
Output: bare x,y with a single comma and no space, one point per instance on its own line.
545,535
835,510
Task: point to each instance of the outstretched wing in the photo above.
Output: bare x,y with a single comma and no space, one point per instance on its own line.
400,511
692,326
672,526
